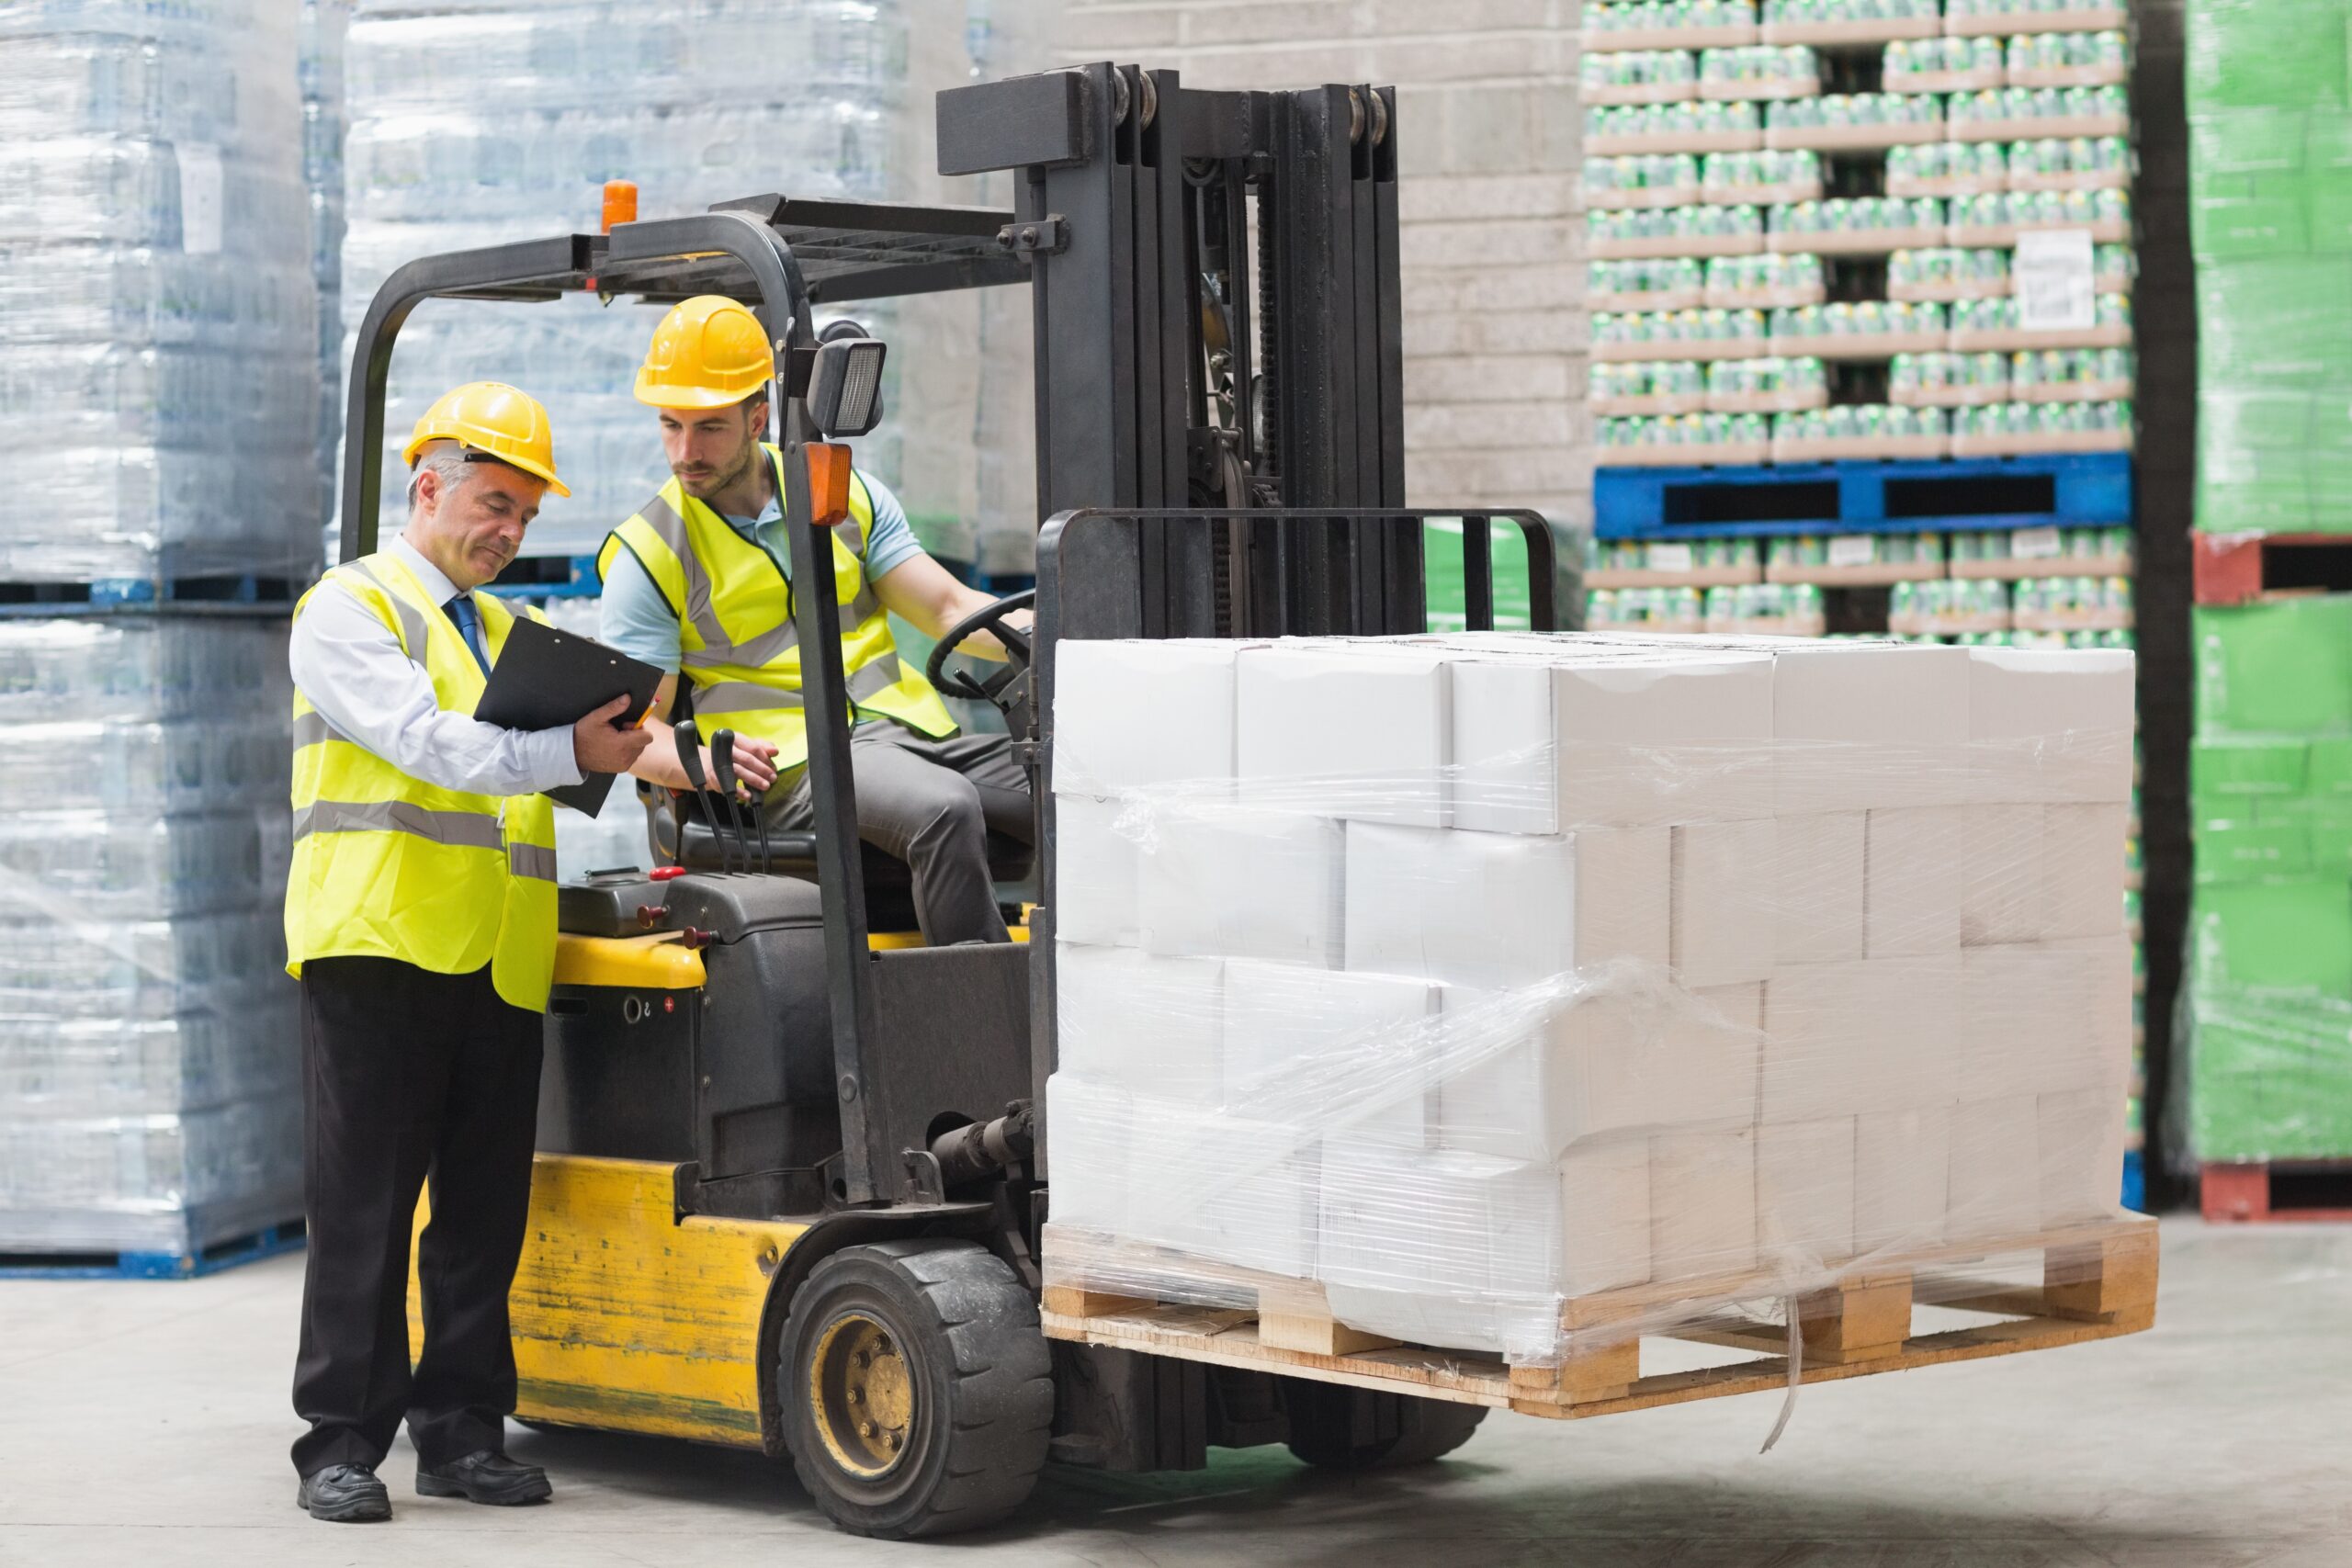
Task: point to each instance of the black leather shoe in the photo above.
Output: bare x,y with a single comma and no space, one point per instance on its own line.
485,1476
345,1495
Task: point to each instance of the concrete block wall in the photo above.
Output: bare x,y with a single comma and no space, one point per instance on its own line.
1492,232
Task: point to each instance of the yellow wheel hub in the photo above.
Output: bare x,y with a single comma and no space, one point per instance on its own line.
862,1395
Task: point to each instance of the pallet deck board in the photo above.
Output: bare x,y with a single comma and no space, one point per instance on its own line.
2098,1283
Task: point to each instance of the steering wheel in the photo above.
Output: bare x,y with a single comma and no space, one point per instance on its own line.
1005,688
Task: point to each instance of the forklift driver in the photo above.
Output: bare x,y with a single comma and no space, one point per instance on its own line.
698,582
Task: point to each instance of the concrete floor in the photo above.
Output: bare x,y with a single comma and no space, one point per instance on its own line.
147,1422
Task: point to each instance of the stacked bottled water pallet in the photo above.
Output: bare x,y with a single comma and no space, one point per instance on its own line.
475,122
150,1088
158,316
159,374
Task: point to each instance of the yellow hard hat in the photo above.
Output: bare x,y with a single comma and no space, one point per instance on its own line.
494,419
708,353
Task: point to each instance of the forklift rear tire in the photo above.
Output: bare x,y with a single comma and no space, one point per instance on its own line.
917,1389
1327,1432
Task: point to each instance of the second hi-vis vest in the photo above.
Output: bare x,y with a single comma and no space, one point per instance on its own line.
738,644
387,865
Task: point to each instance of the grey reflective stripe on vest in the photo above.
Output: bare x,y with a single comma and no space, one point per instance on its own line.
872,677
743,697
311,728
459,829
531,860
671,529
412,626
757,652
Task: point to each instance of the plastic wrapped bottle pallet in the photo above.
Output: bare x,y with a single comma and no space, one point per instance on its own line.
158,315
555,98
324,25
150,1096
1519,994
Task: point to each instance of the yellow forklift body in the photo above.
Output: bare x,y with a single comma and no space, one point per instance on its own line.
628,1318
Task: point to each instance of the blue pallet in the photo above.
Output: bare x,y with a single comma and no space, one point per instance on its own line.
550,576
229,593
2087,490
267,1242
2135,1182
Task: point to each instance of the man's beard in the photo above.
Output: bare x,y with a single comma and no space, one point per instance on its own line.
719,482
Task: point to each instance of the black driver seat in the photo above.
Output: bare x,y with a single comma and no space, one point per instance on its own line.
890,885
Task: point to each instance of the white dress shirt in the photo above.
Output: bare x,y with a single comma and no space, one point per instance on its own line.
352,667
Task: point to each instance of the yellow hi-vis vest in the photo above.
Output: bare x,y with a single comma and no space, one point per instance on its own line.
738,646
387,865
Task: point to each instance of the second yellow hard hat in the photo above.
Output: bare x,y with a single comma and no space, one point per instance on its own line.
492,417
709,352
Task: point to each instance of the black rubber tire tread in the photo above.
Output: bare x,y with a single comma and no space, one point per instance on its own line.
1434,1428
989,1372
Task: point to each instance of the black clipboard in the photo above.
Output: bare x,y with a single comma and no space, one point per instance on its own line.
546,679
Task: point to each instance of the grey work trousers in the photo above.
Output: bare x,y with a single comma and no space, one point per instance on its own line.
931,804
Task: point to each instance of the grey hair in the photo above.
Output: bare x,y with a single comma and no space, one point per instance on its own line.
446,460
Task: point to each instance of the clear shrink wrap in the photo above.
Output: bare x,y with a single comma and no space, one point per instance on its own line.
150,1096
1517,971
158,313
696,101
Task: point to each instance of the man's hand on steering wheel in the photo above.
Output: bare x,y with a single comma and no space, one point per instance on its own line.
1004,689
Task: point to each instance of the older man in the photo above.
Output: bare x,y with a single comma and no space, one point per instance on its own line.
419,919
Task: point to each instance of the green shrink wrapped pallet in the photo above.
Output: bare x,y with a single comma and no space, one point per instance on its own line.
2266,1074
2271,195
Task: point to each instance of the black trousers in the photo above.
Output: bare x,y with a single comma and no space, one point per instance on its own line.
406,1074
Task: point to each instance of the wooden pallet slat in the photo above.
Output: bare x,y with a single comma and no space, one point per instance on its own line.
2098,1281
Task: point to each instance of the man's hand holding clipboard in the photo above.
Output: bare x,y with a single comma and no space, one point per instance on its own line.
546,679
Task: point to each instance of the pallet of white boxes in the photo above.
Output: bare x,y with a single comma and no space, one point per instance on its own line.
1451,1014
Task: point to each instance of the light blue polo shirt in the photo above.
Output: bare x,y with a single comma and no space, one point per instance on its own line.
638,621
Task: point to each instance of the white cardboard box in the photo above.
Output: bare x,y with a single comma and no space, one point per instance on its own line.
1141,714
1816,892
1228,1188
1902,1179
1093,1127
1880,1035
1703,1203
1141,1023
1725,901
2005,895
1461,1250
2052,725
2047,1018
1499,909
2082,864
1996,1169
1864,724
1567,734
1605,1211
2081,1137
1096,873
1345,731
1607,1065
1804,1192
1912,881
1352,1052
1243,883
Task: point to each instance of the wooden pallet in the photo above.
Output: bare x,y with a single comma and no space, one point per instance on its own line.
2250,1193
2098,1283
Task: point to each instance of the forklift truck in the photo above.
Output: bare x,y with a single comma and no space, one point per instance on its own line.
792,1171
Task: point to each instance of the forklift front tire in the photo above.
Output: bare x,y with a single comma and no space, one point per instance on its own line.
917,1390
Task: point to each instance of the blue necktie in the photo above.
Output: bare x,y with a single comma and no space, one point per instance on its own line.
462,611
